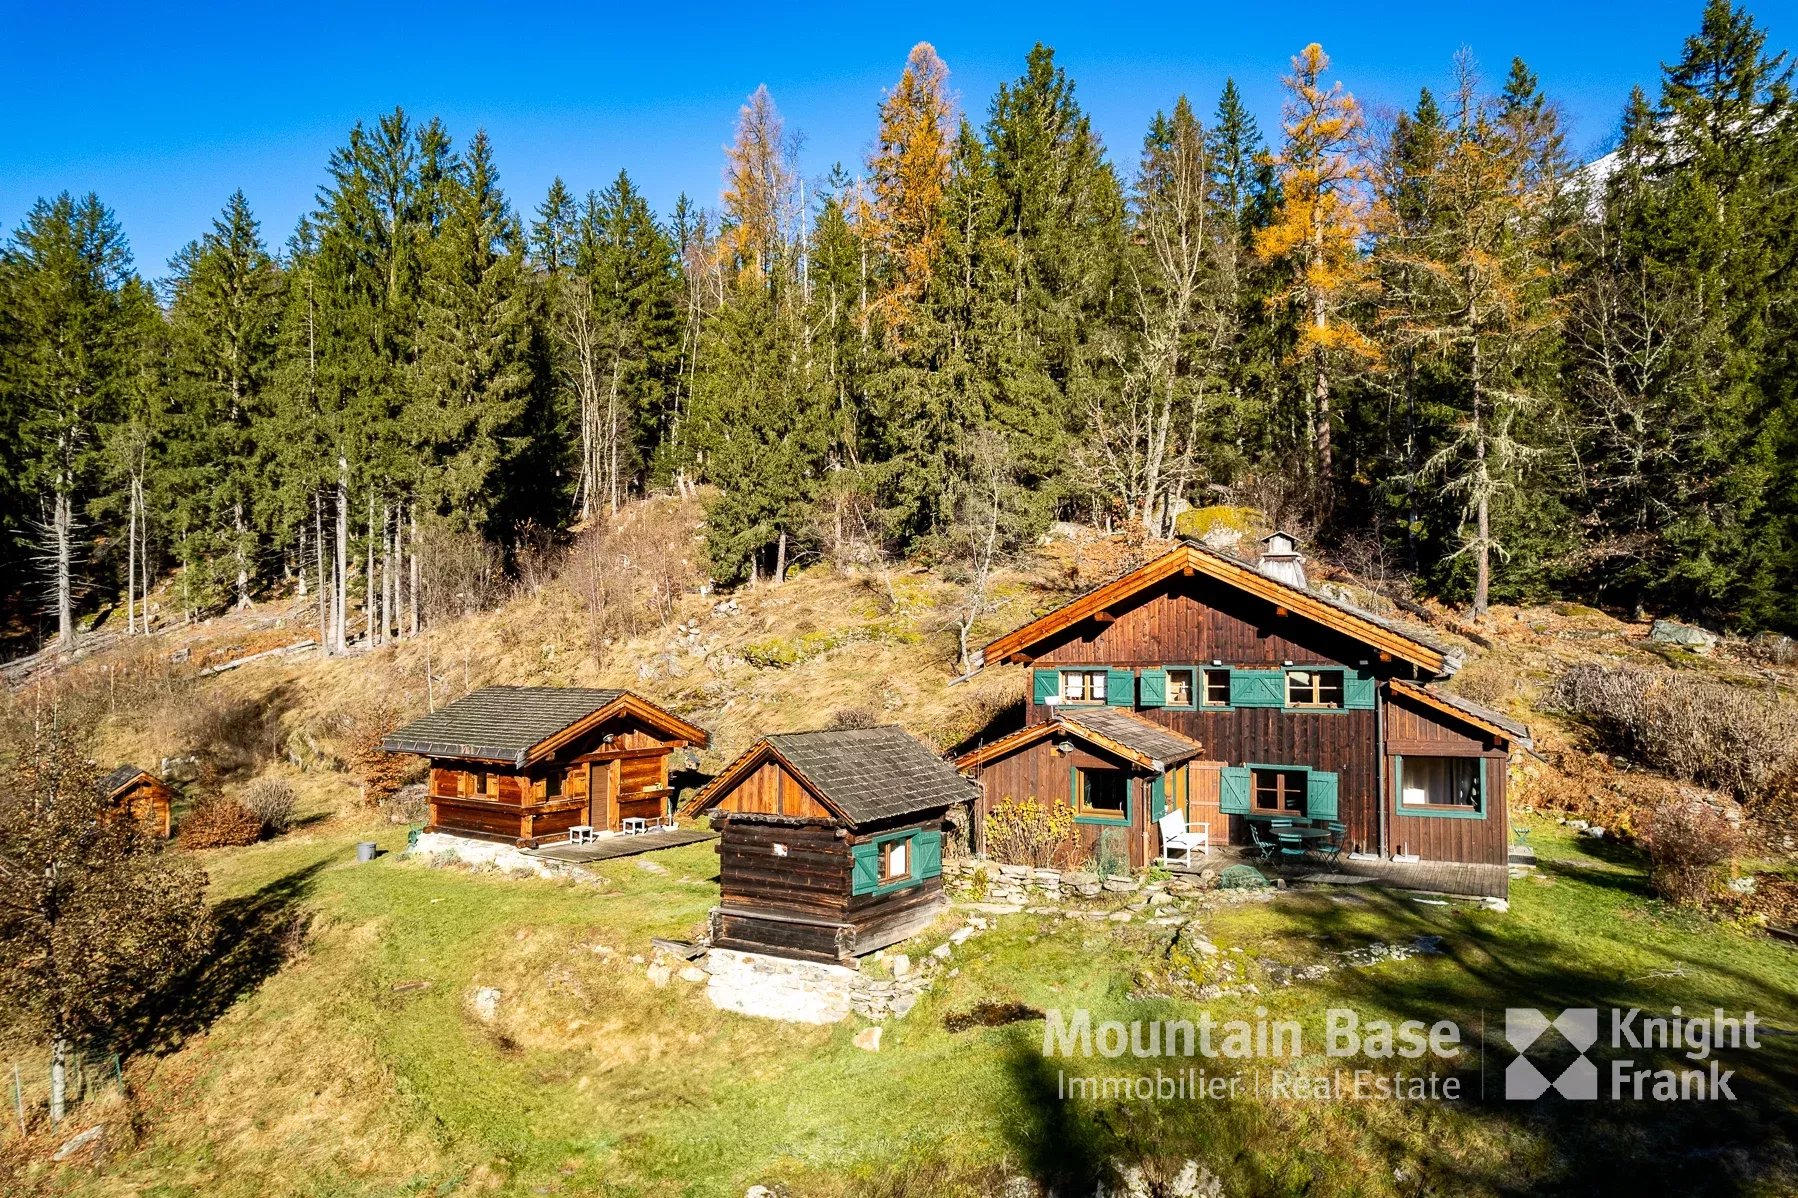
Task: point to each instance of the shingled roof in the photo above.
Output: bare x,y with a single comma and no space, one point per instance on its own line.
119,778
865,774
1478,713
1142,742
504,723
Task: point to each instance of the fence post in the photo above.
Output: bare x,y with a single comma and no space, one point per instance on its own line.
18,1096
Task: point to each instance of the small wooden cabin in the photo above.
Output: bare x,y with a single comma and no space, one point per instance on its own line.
1308,708
1118,772
830,842
523,764
141,795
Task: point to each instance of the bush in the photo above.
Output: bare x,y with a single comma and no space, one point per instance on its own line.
272,800
852,717
217,823
1024,832
228,735
1693,728
1691,847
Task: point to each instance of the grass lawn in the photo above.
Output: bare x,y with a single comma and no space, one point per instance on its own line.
359,1066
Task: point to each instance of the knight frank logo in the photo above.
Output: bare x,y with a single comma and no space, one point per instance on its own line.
1524,1027
1675,1035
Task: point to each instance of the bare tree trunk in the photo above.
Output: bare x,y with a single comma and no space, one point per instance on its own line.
416,572
780,559
59,1078
371,595
243,560
613,436
131,563
62,552
318,552
340,622
1482,585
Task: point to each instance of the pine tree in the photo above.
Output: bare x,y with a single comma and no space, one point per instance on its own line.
1315,235
75,314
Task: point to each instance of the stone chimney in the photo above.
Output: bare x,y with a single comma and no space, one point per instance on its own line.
1281,559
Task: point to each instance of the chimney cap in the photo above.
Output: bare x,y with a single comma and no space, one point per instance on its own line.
1280,541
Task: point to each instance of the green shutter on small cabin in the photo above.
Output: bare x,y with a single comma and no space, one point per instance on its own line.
866,874
1257,688
1358,690
1233,790
1158,797
1320,795
1044,685
1153,688
1120,688
929,849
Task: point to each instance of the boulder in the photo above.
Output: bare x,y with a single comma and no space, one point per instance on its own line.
1686,636
868,1039
485,1003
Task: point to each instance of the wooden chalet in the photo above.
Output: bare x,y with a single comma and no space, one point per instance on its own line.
1286,703
141,795
830,843
524,764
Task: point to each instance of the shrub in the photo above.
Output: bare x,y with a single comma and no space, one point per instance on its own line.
1691,846
272,800
852,717
228,735
408,805
1024,832
1693,728
216,823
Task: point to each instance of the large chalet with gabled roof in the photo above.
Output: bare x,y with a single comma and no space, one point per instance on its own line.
1235,693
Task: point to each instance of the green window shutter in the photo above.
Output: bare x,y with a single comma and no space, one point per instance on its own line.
1233,790
866,875
1257,688
1158,797
1044,685
1120,688
1358,690
1153,688
1320,795
929,848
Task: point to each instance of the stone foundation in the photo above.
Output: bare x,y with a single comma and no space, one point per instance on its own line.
808,991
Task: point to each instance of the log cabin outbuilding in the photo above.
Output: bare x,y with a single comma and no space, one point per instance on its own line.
830,843
1292,704
524,764
142,796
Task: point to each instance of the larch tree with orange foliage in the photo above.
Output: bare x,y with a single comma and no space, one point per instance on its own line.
909,170
761,184
1315,237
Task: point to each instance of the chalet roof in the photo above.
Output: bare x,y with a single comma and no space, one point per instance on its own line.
120,778
1476,713
1142,742
505,723
1190,556
865,775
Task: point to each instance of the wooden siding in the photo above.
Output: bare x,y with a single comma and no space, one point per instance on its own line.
795,900
150,802
1036,771
770,790
1416,729
602,783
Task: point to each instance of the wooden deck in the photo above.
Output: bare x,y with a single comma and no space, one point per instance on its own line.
1434,877
609,848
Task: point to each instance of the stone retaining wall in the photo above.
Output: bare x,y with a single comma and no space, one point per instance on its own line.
809,991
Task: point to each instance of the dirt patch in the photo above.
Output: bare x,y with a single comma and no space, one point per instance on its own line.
990,1014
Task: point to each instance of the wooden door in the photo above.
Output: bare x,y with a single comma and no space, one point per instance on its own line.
602,796
1204,779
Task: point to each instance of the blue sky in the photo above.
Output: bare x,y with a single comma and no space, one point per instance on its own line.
164,109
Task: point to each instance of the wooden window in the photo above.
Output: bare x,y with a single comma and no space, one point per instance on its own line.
1179,688
1104,794
1217,688
1083,686
1314,688
895,860
483,782
552,785
1451,782
1278,792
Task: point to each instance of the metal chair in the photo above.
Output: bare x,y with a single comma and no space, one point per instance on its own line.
1292,847
1266,848
1331,849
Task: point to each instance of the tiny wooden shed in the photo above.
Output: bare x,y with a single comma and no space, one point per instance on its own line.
523,764
830,842
141,795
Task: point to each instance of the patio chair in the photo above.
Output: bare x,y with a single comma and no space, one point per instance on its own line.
1292,848
1267,848
1178,840
1331,849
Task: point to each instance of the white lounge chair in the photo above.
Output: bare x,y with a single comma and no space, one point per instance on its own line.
1178,841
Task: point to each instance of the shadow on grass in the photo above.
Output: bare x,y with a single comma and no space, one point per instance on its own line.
253,936
1059,1148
